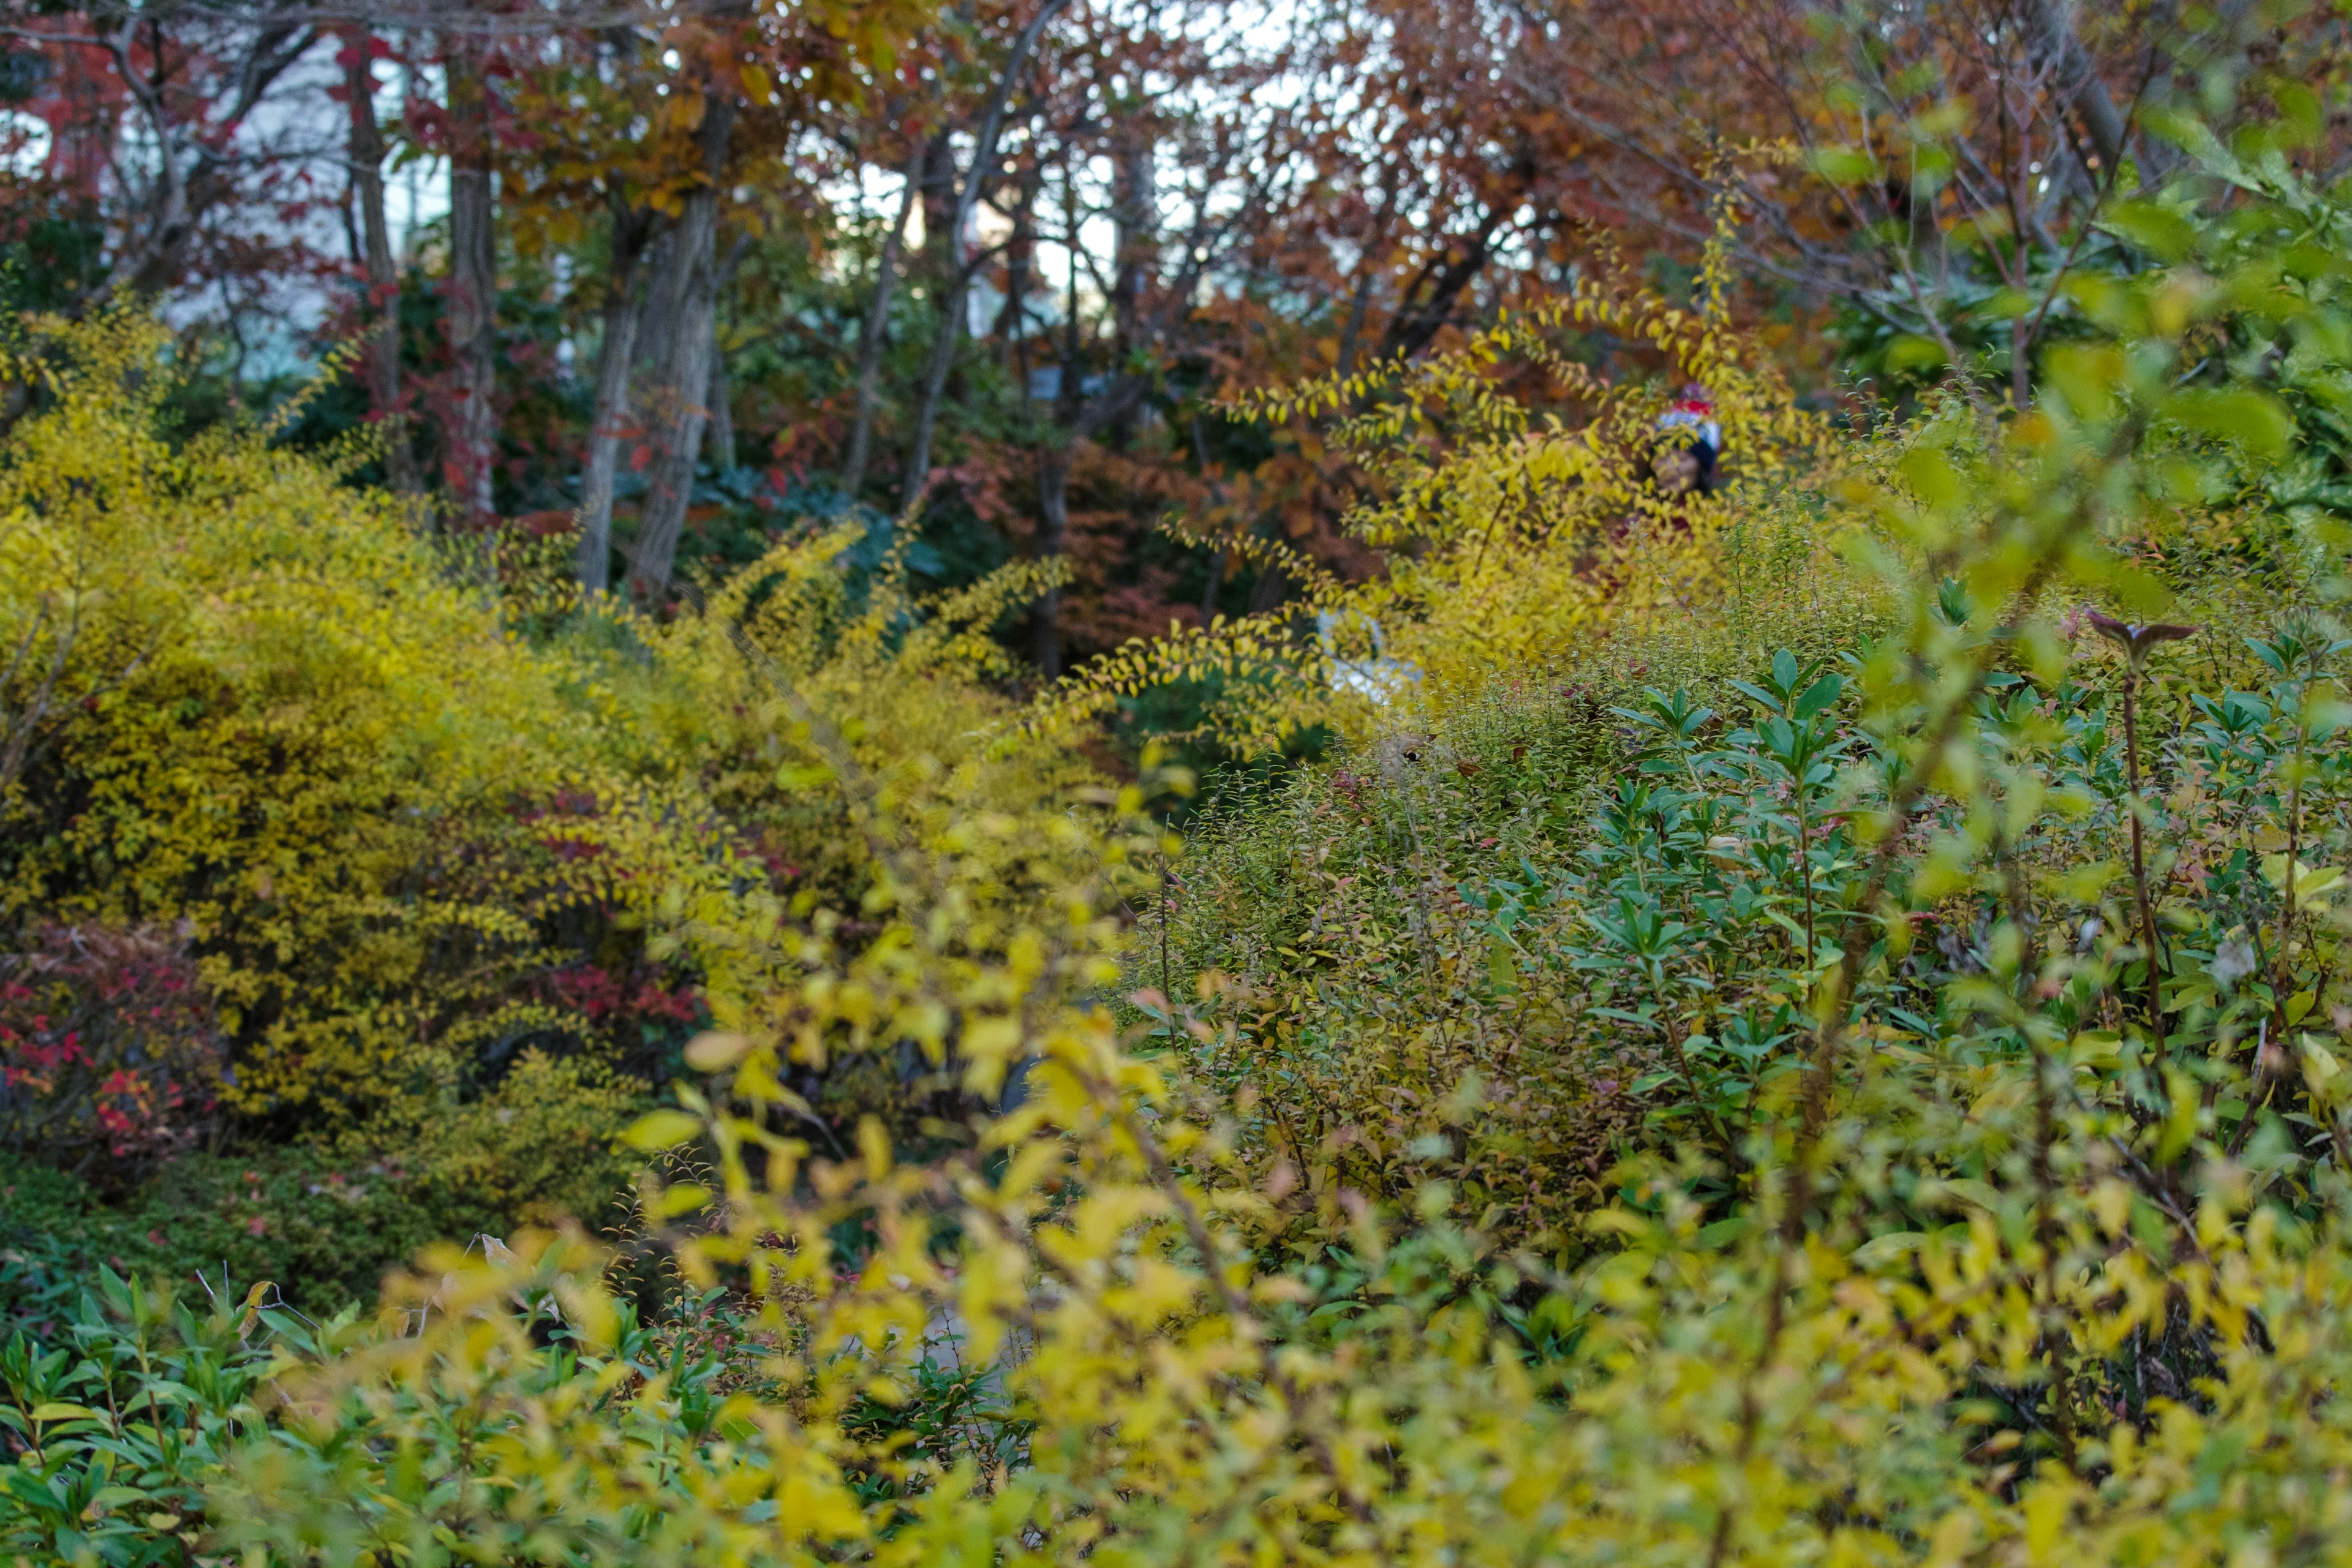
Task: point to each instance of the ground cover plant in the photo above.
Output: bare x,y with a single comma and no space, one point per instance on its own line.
1833,1052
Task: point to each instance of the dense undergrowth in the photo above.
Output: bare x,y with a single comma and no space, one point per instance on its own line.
1815,1034
366,871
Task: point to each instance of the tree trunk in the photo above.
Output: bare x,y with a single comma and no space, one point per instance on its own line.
1020,267
1352,332
1216,589
2078,78
938,198
1421,316
959,277
1136,215
1053,462
719,435
682,304
382,275
473,297
616,357
871,337
656,324
1053,535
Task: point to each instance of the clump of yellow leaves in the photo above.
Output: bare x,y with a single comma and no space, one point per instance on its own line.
242,697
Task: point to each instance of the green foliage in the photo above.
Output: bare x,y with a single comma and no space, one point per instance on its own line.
114,1425
325,1221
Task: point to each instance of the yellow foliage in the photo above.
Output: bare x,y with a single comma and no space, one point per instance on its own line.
1512,543
383,812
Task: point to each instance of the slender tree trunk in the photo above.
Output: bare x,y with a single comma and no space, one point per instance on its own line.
959,277
382,275
683,300
2078,78
720,433
615,356
938,198
676,413
1136,222
1215,590
657,324
1020,264
876,332
1054,472
1353,333
473,299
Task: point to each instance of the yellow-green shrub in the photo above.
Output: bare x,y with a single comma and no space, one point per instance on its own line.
2042,1258
294,733
390,821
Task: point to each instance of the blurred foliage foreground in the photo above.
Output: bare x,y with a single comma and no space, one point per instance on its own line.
1846,1069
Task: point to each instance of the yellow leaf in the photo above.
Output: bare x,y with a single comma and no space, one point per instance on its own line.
658,1129
56,1410
714,1052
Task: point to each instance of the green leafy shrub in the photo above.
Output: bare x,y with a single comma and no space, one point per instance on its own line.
324,1222
415,806
112,1425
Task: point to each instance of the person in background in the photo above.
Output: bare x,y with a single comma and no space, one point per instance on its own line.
1690,440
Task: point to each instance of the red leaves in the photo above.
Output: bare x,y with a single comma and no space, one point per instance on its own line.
606,999
113,1041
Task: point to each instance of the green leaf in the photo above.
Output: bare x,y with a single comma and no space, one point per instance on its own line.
1880,1251
2144,225
1970,1191
1845,166
2256,419
684,1198
1820,695
1909,351
800,776
1722,1231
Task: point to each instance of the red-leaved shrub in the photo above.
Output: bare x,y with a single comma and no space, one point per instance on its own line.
110,1058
